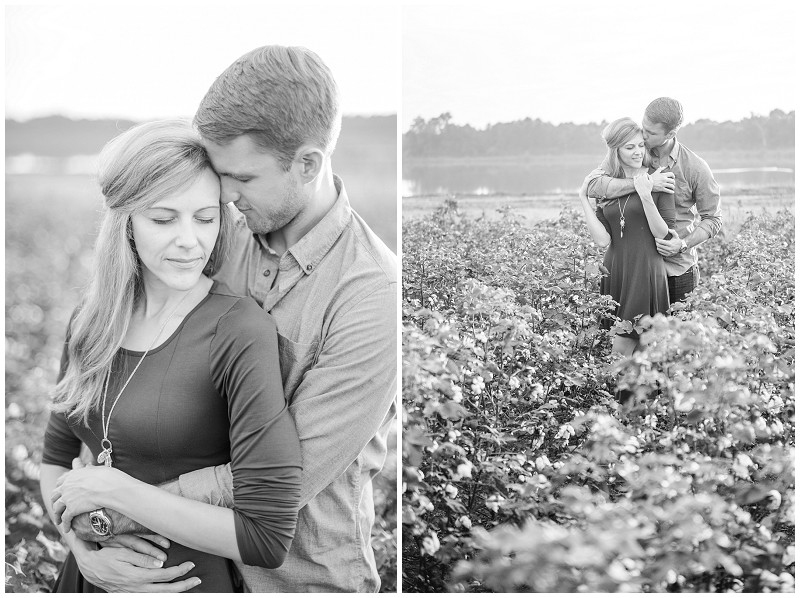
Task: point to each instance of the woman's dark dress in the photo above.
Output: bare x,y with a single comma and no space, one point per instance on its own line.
209,395
637,277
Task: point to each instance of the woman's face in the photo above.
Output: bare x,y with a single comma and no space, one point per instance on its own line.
175,236
631,153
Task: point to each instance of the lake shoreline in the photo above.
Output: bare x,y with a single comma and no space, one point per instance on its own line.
732,192
737,204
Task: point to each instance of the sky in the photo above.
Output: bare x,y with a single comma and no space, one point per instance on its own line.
588,61
145,59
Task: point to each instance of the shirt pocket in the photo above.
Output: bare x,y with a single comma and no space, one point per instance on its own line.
295,360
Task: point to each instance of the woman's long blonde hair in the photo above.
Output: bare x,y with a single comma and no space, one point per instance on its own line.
138,168
616,134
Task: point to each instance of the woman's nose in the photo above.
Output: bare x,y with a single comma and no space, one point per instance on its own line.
187,237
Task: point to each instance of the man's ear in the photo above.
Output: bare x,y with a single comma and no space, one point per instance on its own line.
311,160
672,133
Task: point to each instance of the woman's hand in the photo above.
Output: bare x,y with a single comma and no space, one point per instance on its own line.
83,490
643,184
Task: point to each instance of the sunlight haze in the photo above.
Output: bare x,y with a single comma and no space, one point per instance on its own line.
154,60
583,61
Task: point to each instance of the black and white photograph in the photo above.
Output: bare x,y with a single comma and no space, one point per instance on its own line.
598,263
201,297
534,259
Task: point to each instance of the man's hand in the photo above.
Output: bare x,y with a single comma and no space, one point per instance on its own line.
669,247
663,182
121,567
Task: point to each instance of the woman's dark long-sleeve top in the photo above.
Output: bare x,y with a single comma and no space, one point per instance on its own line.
208,395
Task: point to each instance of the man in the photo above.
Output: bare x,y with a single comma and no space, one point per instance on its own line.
688,177
271,122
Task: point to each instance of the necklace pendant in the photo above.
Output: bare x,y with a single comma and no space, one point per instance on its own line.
105,455
104,458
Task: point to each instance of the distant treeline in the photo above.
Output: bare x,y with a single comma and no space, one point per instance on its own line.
59,136
438,137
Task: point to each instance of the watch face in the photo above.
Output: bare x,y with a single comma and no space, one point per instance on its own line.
100,523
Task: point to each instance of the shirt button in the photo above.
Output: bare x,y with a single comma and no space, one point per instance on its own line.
267,272
309,267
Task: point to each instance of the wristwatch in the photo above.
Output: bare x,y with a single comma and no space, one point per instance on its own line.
684,247
101,522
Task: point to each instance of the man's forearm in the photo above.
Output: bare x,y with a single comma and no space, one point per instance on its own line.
602,186
120,524
710,225
696,237
618,187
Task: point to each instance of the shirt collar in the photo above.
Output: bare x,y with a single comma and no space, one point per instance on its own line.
315,244
675,148
673,154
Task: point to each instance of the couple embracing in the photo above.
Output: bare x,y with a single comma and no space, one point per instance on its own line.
656,202
233,377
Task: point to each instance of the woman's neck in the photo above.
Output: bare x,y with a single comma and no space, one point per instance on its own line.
631,172
161,300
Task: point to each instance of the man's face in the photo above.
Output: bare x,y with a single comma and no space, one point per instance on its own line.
655,134
253,179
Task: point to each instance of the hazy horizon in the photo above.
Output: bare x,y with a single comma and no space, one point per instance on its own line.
595,122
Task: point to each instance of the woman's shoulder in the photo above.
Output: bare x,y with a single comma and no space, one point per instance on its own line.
239,311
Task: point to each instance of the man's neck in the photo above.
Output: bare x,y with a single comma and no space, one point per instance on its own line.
666,149
323,196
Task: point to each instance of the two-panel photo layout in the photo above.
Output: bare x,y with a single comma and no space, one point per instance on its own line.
400,297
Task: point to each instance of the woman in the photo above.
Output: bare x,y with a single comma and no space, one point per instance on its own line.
165,372
628,226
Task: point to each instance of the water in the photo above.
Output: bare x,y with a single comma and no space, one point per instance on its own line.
519,178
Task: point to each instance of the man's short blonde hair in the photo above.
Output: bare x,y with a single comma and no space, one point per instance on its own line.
283,97
667,112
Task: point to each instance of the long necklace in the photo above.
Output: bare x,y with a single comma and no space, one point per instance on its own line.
622,214
105,455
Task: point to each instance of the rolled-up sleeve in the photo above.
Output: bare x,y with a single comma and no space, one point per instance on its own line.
265,451
598,181
707,198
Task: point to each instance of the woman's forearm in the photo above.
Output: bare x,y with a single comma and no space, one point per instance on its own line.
596,229
195,524
656,223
